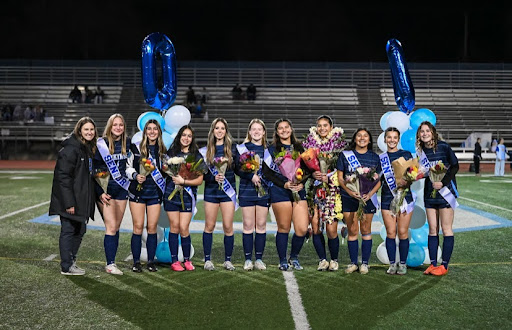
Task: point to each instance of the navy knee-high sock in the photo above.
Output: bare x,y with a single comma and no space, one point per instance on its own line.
151,246
319,244
433,243
229,243
366,250
207,245
281,245
185,246
109,243
136,247
448,243
248,242
353,251
173,246
391,248
259,245
334,247
403,248
297,242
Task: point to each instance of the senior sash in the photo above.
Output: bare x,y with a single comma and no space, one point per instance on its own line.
156,175
353,164
389,176
112,166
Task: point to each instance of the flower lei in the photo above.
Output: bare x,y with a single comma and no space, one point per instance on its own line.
334,141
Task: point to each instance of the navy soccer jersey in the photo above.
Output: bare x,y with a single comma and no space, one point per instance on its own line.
211,187
113,189
368,159
247,189
278,194
445,154
386,195
169,186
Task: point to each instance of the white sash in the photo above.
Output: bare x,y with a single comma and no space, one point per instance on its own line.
156,175
445,192
188,189
353,164
267,158
226,185
389,176
112,166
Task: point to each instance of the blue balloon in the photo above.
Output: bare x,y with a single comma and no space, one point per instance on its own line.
416,255
402,84
168,138
153,45
420,236
163,253
408,140
151,115
421,115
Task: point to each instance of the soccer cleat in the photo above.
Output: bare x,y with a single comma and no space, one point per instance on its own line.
260,265
392,269
151,267
208,265
73,270
284,266
188,265
295,264
228,265
137,267
429,270
333,265
248,265
323,265
439,271
402,269
363,269
177,267
351,268
112,269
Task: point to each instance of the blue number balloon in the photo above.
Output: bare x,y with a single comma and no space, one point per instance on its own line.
402,84
153,45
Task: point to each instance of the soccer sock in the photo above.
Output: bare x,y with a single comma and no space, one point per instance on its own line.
136,247
403,247
433,243
353,251
334,247
109,243
281,245
151,246
207,245
366,250
391,248
448,243
297,242
173,246
248,242
229,243
259,245
185,246
319,244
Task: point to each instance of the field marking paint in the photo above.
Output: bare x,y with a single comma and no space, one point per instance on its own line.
298,313
50,257
490,205
23,210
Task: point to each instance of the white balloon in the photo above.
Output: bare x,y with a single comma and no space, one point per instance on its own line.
144,254
140,117
176,117
382,253
383,120
399,120
427,256
144,237
137,137
381,143
159,234
419,216
163,220
180,252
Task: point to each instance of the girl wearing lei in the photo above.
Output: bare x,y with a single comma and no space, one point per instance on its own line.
440,206
324,199
111,156
147,192
179,217
361,155
220,144
286,209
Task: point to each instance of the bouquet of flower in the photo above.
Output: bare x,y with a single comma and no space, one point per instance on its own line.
102,177
171,166
288,162
250,162
436,174
145,168
190,168
327,161
221,164
310,158
408,172
362,182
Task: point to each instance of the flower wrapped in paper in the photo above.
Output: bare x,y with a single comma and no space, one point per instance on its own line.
190,168
102,177
362,181
221,164
250,162
288,162
145,169
310,158
406,172
171,167
436,174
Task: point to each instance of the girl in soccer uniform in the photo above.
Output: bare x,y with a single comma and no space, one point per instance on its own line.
361,146
180,215
112,203
439,209
254,207
220,144
403,219
284,206
146,191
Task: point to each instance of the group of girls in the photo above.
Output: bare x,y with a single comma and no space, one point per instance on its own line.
122,159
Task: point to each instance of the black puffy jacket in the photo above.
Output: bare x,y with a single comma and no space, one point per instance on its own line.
73,182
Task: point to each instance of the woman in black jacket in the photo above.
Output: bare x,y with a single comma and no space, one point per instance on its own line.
73,191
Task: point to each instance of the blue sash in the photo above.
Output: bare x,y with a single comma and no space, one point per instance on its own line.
353,164
112,166
156,175
389,176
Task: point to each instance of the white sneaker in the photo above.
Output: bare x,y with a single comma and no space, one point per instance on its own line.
363,269
323,265
350,269
76,266
392,269
112,269
74,270
208,265
228,265
260,265
333,265
248,265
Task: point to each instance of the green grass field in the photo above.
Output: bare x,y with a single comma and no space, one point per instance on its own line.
476,294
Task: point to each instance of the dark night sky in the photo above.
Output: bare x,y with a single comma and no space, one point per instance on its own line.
256,30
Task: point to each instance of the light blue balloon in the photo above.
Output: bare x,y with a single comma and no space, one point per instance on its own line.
151,115
416,255
168,138
163,253
383,233
421,115
408,140
420,236
384,119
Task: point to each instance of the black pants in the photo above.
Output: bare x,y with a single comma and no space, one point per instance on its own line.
476,160
71,233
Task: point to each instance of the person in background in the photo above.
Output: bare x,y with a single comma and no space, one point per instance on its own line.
99,94
477,156
501,155
251,92
75,95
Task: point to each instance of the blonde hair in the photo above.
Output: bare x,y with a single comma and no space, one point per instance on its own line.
435,137
228,142
159,141
77,131
264,138
107,133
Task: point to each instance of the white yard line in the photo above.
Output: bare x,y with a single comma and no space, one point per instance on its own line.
482,203
23,210
50,257
298,313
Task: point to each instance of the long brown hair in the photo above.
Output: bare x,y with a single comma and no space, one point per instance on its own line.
159,141
77,131
228,142
435,137
276,141
107,133
264,138
175,147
